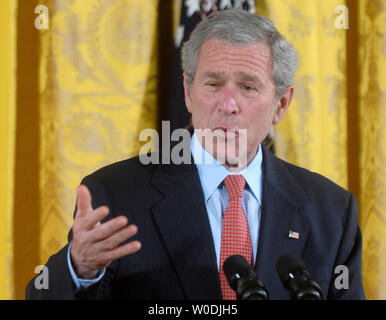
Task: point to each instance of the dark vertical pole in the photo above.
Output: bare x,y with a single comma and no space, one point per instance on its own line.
26,206
165,58
353,78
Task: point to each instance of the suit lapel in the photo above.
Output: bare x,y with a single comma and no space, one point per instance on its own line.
282,197
183,223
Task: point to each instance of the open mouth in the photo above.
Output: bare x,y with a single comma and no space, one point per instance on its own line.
228,132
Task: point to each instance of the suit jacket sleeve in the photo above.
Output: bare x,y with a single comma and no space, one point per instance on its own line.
61,285
349,255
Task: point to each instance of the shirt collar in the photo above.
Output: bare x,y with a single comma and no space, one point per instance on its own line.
212,173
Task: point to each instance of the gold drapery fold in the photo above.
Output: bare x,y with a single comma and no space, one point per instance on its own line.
372,125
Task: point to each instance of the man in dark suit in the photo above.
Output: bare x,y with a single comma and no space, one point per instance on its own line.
155,231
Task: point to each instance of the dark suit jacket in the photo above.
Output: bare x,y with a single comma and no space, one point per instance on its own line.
177,259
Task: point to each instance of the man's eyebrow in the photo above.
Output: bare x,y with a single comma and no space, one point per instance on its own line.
243,76
215,74
247,77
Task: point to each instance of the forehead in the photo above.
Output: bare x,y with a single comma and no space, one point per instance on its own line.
221,56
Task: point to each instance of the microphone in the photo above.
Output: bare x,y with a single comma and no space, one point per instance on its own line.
243,280
296,279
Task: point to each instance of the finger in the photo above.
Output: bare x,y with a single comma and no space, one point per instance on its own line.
108,228
83,202
118,237
92,220
123,250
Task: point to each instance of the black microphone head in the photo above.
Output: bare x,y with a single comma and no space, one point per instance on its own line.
234,266
296,279
289,263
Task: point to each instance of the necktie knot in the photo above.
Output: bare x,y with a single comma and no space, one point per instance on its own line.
235,186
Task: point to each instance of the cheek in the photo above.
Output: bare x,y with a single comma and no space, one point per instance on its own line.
203,105
259,120
258,115
207,99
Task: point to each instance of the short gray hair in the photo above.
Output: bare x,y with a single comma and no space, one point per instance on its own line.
240,27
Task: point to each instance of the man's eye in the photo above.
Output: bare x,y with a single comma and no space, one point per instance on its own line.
247,88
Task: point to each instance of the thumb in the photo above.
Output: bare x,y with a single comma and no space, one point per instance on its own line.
83,202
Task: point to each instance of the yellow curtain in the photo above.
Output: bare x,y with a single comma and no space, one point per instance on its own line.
372,115
314,131
7,142
98,86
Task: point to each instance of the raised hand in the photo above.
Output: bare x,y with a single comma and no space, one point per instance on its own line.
95,245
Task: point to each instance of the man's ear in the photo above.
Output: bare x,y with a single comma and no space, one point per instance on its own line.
187,88
282,105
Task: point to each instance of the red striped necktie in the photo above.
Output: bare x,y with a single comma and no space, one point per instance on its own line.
235,237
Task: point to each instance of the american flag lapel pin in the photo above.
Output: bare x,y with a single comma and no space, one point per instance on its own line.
293,234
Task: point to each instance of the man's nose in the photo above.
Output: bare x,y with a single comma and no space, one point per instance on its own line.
228,103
